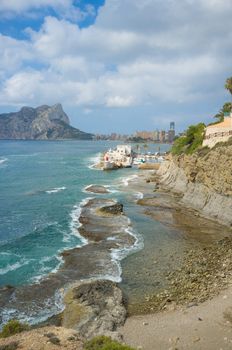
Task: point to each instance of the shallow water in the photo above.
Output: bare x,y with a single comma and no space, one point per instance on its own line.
167,235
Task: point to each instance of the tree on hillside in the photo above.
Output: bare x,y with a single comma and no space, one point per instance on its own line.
224,110
228,85
191,141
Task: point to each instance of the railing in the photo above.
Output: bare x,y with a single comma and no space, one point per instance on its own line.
218,134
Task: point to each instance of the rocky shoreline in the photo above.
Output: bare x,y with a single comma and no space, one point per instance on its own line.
98,306
203,271
106,233
203,180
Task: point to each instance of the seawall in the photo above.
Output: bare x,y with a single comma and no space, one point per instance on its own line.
204,180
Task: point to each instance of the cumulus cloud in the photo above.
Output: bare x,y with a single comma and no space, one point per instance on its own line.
137,53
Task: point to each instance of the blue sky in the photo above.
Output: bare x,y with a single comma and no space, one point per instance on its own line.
117,65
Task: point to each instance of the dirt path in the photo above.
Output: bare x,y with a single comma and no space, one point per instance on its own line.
207,326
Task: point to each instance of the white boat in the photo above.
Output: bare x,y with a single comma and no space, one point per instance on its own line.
138,161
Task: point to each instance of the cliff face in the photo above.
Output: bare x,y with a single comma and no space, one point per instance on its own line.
205,181
41,123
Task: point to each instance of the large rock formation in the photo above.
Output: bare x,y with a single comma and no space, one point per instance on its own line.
95,308
204,180
41,123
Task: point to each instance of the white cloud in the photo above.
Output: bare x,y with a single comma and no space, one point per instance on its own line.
119,101
24,5
64,8
13,53
138,52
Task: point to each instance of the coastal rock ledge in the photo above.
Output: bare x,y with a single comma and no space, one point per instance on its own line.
205,181
94,308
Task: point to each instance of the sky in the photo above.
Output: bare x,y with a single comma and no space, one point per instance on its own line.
117,65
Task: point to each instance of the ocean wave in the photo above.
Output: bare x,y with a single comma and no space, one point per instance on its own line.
3,160
55,190
52,306
95,160
84,190
45,269
139,195
75,223
117,255
13,267
128,179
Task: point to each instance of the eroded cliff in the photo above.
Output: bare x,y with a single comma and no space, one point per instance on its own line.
205,180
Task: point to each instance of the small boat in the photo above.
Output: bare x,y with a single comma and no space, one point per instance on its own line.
138,161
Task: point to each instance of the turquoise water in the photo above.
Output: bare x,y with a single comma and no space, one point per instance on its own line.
41,188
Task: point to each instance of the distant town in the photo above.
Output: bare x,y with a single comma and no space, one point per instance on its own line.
159,136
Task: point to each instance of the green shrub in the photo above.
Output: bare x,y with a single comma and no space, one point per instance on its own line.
12,346
105,343
191,141
13,327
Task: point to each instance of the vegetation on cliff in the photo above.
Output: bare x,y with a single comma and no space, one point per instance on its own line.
226,109
13,327
228,85
191,141
105,343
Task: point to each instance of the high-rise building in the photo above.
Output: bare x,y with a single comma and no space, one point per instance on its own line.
162,136
171,135
172,126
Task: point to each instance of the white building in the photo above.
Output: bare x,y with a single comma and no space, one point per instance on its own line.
220,132
121,156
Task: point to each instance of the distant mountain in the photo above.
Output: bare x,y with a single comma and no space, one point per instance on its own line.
41,123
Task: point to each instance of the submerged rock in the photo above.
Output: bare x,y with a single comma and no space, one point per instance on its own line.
97,189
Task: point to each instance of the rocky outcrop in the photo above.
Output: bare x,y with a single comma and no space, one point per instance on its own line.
115,209
95,308
97,189
205,181
41,123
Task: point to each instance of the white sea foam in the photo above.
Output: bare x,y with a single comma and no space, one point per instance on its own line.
45,269
139,195
52,306
55,190
94,161
75,223
108,187
13,267
85,189
3,160
128,179
119,254
111,189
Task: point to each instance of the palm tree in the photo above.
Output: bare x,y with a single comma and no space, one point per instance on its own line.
228,85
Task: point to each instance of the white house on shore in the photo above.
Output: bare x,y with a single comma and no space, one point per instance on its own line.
121,156
220,132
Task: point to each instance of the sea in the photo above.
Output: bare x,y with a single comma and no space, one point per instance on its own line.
42,190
